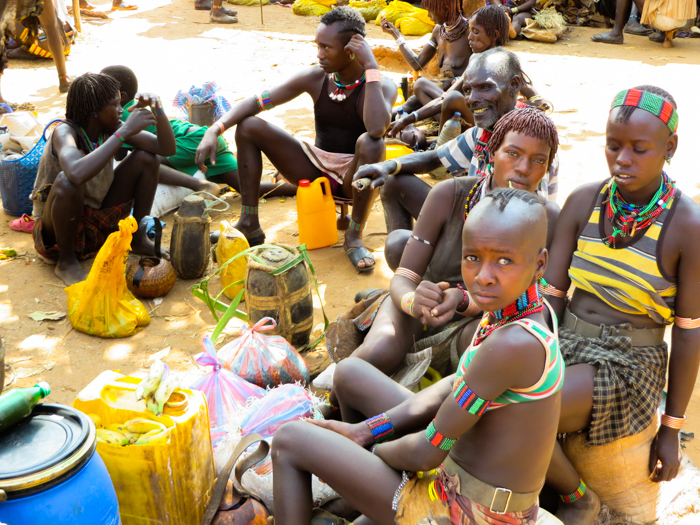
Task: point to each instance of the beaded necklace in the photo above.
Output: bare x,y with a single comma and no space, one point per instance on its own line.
338,95
626,219
92,145
450,34
528,303
472,198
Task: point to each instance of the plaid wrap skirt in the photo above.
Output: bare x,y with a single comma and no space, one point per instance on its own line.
628,385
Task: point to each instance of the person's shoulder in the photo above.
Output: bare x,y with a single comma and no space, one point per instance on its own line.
687,215
444,189
310,75
513,344
62,131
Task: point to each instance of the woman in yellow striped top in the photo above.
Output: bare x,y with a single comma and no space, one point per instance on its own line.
630,246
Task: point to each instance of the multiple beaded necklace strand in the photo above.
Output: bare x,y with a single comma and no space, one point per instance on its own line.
626,219
450,34
528,303
93,145
339,95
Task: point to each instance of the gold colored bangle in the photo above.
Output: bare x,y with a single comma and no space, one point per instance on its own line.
408,274
687,323
398,167
672,422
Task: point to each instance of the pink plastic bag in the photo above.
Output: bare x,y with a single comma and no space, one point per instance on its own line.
281,405
226,392
264,360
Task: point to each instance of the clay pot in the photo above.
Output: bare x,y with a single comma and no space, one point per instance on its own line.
150,277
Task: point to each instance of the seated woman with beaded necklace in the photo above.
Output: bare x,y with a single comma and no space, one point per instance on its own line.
426,293
629,245
509,378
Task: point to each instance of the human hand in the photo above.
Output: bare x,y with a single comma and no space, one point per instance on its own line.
139,120
389,28
434,304
399,125
207,148
665,449
377,173
505,9
359,48
358,433
147,100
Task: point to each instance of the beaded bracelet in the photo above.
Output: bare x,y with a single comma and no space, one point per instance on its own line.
514,10
119,137
438,440
159,112
264,100
381,428
548,289
672,422
372,75
462,307
467,399
407,302
575,495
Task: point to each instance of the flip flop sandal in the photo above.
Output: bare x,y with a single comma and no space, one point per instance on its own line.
357,254
605,40
639,31
24,224
366,294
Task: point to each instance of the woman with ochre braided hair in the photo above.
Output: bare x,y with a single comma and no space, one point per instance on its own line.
427,292
629,245
509,378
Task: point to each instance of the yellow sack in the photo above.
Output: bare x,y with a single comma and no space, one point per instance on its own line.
311,7
248,2
396,10
416,24
102,305
369,9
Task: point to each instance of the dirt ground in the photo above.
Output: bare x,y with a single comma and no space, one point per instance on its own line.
171,46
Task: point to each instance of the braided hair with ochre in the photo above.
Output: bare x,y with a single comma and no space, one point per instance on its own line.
89,94
451,8
492,19
528,121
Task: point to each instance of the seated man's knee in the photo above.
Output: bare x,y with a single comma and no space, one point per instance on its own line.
391,187
370,147
420,85
145,158
452,98
64,188
394,247
288,437
248,128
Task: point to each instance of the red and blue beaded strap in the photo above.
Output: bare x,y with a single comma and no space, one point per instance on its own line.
438,440
529,296
381,428
650,102
468,400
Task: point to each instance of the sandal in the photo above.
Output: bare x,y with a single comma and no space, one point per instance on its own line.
357,254
24,224
366,294
256,238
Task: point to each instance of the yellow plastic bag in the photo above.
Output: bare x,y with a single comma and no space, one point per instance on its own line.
369,9
396,10
102,305
416,24
248,2
311,7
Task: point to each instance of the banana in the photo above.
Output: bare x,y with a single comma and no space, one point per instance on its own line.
142,426
150,384
155,437
96,419
115,427
111,437
165,389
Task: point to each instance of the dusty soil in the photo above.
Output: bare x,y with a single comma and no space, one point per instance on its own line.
171,47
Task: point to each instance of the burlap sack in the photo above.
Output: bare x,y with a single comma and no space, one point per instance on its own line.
618,472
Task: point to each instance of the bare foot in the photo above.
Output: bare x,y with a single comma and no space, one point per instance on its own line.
64,82
581,512
70,272
608,38
668,41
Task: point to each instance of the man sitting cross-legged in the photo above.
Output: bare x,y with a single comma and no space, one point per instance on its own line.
352,109
79,197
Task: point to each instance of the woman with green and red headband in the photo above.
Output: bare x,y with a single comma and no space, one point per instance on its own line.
629,245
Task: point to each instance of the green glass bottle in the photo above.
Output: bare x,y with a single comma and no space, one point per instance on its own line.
17,404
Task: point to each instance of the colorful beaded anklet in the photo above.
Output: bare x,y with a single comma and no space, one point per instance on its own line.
249,210
354,226
438,440
575,495
381,428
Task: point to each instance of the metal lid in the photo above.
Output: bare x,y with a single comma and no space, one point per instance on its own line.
49,443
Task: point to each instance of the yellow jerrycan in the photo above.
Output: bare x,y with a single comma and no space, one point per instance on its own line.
165,483
231,243
316,214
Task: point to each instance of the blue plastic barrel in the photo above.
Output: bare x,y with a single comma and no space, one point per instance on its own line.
50,473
